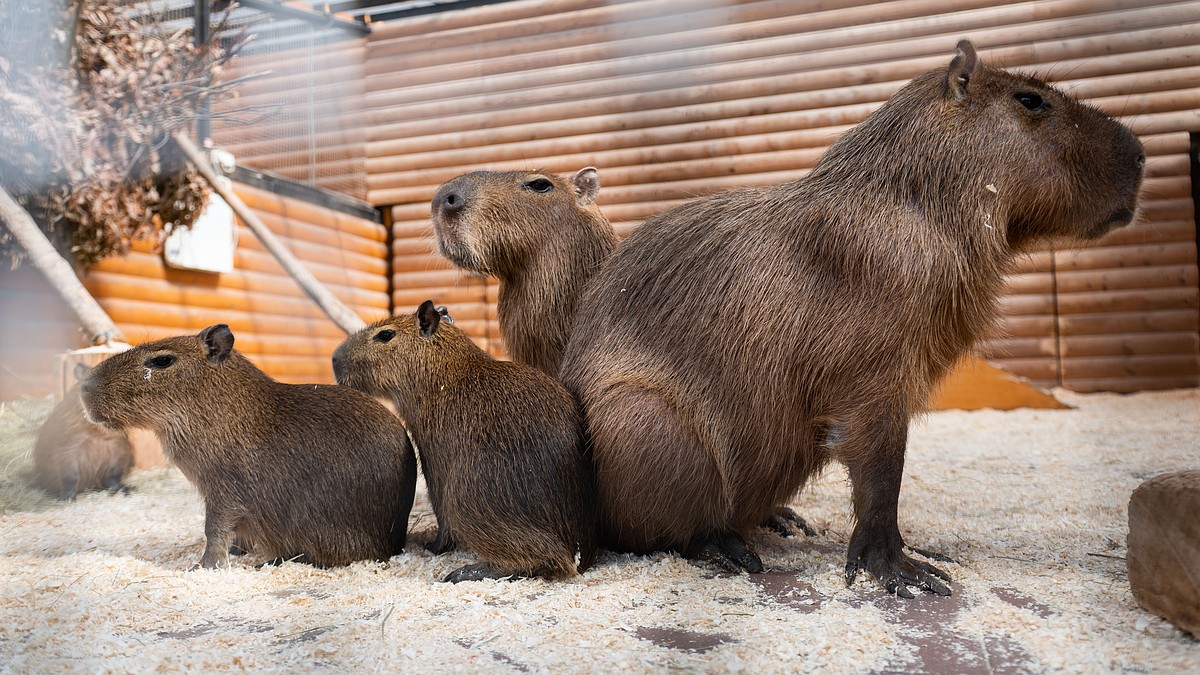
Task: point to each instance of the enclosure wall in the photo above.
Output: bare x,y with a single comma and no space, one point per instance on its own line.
298,114
673,99
273,321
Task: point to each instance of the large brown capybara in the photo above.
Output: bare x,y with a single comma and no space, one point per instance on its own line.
73,455
316,473
541,235
501,445
735,344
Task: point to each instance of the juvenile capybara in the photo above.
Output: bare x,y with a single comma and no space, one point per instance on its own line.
500,442
316,473
541,235
544,238
73,455
735,344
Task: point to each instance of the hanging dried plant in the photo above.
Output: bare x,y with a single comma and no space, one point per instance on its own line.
86,140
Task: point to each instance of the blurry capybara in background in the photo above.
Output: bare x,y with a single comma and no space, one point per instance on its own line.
730,340
500,442
73,455
541,235
317,473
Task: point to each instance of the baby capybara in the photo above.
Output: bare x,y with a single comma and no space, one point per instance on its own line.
541,235
73,455
735,344
315,473
500,442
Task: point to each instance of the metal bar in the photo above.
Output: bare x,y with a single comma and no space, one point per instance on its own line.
316,18
201,34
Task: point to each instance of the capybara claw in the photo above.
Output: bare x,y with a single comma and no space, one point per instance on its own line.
932,555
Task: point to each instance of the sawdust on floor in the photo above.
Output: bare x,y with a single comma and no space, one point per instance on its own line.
1032,505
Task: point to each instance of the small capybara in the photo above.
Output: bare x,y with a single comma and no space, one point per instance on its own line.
500,442
733,345
73,455
541,235
315,473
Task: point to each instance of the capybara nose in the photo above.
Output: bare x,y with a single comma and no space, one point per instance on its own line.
339,364
1141,161
448,201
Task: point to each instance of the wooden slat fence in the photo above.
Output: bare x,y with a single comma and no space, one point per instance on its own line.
672,99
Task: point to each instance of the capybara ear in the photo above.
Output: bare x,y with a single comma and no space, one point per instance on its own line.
962,66
587,185
428,318
81,371
218,340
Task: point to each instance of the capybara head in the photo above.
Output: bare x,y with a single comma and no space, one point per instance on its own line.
166,382
490,222
1036,161
400,357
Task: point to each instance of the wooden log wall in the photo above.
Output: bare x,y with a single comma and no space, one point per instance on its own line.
299,115
273,321
673,99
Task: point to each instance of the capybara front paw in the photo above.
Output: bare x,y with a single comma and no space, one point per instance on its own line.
897,571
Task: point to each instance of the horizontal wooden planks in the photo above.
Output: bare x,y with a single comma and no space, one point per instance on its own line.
677,99
295,115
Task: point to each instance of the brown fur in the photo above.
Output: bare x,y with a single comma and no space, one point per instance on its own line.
500,443
320,473
543,246
73,455
735,344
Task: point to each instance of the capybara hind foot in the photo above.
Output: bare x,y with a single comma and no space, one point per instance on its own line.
476,572
782,521
895,570
727,550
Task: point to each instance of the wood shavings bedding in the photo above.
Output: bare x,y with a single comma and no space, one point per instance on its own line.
1031,504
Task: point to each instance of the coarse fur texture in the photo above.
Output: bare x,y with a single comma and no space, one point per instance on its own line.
541,235
501,445
73,455
319,473
735,344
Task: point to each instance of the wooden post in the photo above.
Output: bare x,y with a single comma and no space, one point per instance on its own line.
342,315
96,323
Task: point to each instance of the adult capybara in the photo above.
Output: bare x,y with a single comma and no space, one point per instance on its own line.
735,344
500,442
317,473
73,455
541,235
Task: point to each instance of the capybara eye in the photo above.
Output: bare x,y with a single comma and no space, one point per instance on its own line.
161,361
539,185
1030,100
385,335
